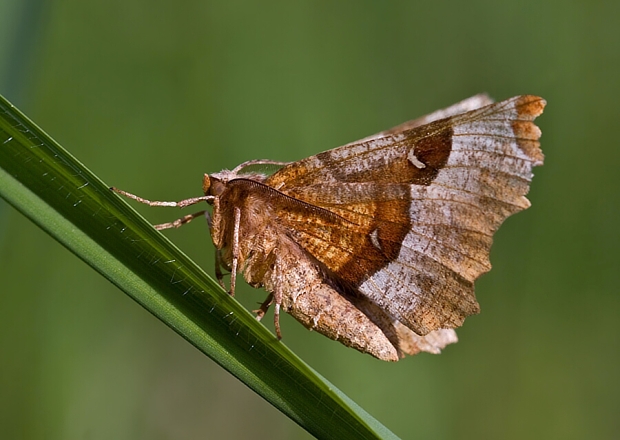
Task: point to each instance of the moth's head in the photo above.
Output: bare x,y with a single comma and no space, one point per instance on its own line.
212,186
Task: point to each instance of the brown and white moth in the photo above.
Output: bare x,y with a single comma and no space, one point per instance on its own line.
377,244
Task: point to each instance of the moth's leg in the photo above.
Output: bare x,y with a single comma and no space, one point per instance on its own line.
263,307
218,268
180,221
179,204
277,298
235,252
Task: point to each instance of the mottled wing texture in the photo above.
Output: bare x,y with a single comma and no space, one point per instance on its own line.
466,105
406,217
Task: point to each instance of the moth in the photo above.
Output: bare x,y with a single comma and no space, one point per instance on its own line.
377,244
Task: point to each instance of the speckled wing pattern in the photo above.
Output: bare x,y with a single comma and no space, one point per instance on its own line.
406,217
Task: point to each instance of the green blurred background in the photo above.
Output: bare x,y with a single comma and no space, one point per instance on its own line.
152,94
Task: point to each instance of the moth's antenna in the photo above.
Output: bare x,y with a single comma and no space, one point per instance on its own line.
257,162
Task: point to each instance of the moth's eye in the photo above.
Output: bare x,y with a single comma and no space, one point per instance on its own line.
213,186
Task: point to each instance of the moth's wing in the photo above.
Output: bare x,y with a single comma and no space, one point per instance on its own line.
408,219
466,105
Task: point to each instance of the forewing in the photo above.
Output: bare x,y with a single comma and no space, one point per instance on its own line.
415,212
466,105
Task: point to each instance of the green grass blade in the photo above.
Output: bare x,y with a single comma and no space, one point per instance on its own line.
64,198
